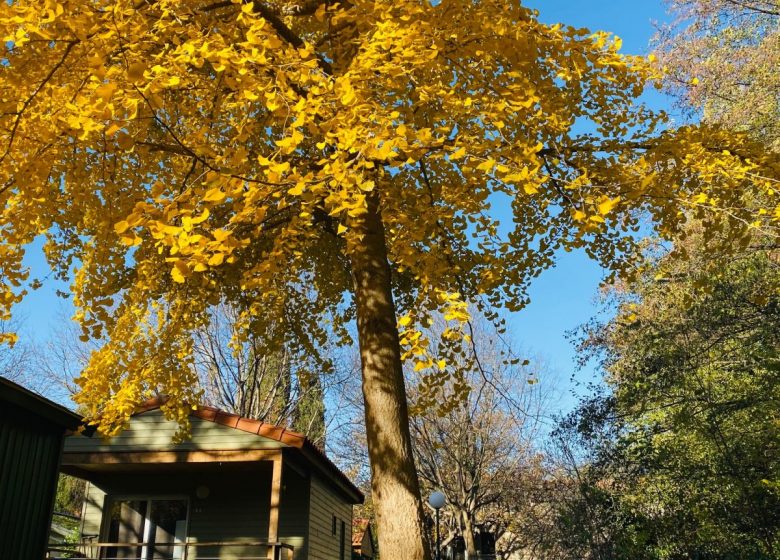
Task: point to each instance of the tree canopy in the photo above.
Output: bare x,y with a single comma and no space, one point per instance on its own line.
177,154
681,453
312,162
719,56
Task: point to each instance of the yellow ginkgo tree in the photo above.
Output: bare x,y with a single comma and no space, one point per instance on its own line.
317,163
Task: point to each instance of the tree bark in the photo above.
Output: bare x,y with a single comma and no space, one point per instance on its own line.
394,483
468,534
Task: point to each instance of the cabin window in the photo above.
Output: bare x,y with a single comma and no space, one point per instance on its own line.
151,528
333,527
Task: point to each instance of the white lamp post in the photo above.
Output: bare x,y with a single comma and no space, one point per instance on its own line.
437,500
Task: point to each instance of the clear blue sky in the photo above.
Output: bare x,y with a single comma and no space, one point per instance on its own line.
563,297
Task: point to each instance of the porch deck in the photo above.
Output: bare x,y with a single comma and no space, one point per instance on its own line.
178,551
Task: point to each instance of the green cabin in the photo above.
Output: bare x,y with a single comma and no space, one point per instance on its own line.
238,489
32,429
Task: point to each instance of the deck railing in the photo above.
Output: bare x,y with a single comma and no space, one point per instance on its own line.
173,551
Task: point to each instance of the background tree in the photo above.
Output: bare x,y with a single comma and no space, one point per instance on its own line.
477,451
315,163
14,356
481,452
679,459
695,363
722,58
248,379
581,508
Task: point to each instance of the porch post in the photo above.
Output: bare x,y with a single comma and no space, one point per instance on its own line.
276,491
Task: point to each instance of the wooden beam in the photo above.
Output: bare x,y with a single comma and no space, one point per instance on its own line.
276,493
157,457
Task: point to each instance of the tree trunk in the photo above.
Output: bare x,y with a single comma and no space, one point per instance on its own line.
394,484
468,535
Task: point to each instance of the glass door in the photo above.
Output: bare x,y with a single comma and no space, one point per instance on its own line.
157,523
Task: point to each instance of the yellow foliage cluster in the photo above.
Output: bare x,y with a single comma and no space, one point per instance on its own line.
180,153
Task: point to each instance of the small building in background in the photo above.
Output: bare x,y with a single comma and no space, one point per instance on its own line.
32,430
236,489
362,540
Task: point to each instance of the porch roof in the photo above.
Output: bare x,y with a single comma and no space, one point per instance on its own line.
288,438
59,417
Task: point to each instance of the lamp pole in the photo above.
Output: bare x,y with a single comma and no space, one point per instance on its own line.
437,500
438,537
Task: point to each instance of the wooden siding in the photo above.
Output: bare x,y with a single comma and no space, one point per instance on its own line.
294,511
151,431
29,456
324,504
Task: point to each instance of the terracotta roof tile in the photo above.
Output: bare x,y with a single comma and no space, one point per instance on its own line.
227,419
359,527
206,413
249,425
271,431
151,404
293,438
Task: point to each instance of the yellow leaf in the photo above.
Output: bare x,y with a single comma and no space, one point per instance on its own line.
214,195
607,205
348,97
106,91
487,165
179,272
220,234
216,259
297,190
458,154
135,72
113,129
202,217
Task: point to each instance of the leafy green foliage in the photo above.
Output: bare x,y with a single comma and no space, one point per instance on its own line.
683,457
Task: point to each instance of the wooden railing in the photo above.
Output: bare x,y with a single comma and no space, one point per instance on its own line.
173,551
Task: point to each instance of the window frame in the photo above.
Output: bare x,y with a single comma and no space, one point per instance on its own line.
110,499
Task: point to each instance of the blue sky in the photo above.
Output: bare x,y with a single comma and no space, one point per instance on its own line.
561,299
565,296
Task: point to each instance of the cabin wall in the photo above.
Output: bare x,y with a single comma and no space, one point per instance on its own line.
294,511
237,508
29,458
325,503
151,431
92,512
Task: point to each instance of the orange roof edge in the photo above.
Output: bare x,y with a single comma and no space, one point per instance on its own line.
271,431
359,528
